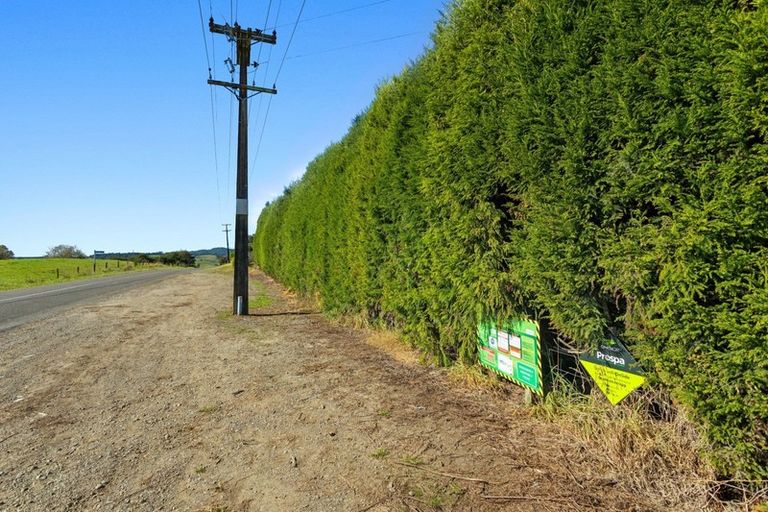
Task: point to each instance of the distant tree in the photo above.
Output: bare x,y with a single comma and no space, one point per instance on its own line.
142,258
5,253
179,258
65,251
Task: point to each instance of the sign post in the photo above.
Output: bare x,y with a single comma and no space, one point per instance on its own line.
613,369
94,258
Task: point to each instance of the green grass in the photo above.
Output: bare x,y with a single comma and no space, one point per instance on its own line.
260,301
227,268
259,296
412,460
380,453
25,273
207,261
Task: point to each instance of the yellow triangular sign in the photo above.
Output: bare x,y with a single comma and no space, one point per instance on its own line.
615,384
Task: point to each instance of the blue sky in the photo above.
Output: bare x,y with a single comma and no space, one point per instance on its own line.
107,135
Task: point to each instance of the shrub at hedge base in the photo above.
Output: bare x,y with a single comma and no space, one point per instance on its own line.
602,164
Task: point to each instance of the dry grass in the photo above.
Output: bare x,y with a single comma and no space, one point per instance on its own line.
389,343
650,446
475,378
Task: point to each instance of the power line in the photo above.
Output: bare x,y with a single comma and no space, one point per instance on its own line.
334,13
229,145
355,45
213,109
213,46
266,20
258,56
269,57
261,98
290,40
215,149
205,40
215,105
261,135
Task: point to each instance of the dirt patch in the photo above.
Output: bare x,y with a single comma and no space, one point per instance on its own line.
158,399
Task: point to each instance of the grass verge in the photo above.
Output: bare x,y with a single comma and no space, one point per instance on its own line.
648,444
25,273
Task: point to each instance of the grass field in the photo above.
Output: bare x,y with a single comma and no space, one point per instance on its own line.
207,261
35,272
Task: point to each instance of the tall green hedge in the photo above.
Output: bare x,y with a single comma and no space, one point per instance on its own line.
599,163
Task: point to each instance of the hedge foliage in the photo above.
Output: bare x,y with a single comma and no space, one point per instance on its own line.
599,163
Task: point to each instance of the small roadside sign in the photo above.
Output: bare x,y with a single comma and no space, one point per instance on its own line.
512,349
613,369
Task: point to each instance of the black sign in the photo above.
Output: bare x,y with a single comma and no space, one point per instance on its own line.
614,354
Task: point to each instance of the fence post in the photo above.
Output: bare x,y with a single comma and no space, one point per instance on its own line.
57,273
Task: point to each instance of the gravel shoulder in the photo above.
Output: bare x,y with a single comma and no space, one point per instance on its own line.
158,399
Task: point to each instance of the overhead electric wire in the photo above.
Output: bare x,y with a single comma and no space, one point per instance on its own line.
258,56
213,109
215,102
263,127
290,40
261,97
213,46
205,40
334,13
355,45
229,148
232,58
266,20
215,151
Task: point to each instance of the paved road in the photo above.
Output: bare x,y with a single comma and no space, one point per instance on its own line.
18,307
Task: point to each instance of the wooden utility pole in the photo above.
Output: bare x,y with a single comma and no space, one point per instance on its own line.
227,230
244,39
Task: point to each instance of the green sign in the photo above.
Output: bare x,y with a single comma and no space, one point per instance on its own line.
513,350
613,369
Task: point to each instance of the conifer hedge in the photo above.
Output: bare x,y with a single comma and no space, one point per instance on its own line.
599,163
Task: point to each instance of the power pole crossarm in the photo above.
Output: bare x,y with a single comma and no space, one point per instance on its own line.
236,32
234,87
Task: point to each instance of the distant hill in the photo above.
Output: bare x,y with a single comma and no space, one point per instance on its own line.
216,251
